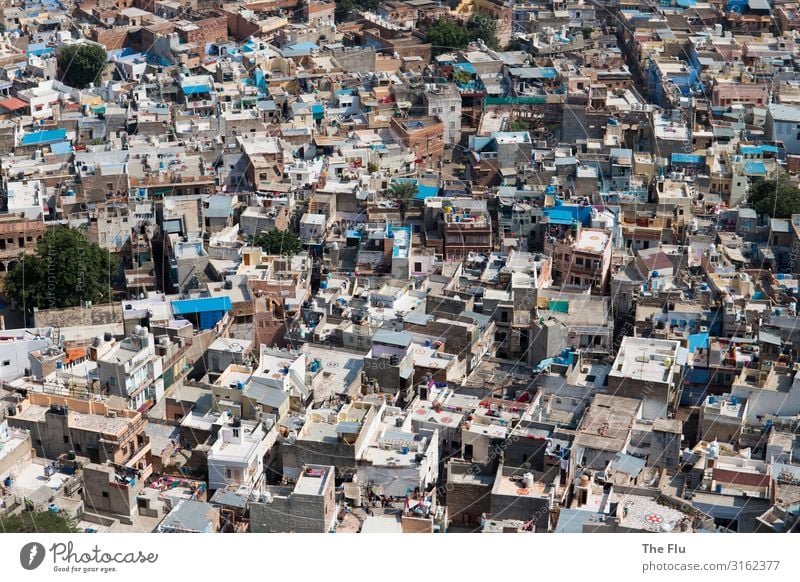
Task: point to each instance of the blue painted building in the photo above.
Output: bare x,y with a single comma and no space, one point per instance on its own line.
666,75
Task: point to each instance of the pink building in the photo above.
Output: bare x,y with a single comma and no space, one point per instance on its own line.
581,257
726,93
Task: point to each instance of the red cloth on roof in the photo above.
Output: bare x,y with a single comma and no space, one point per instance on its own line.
13,104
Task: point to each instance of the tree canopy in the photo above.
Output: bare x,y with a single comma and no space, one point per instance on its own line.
38,522
402,191
447,35
66,270
776,197
484,28
82,64
278,242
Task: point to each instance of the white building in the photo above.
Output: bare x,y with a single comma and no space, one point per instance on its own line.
399,461
237,456
132,369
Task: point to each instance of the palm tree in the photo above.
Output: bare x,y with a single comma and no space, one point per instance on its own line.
402,192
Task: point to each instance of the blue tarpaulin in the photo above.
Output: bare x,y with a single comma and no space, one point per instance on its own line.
687,159
426,192
61,148
39,50
750,150
569,213
208,310
559,216
698,340
44,137
195,89
755,169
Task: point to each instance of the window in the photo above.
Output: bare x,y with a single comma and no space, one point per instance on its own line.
227,473
77,448
236,432
105,493
66,439
6,362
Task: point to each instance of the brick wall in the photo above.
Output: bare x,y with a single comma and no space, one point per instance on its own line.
213,29
111,38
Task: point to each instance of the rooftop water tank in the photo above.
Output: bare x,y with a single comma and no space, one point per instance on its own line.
528,478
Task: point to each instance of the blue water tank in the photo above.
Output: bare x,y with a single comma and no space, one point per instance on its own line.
405,450
323,284
59,365
427,343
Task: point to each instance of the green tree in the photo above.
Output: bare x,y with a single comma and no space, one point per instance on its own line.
403,192
82,64
776,197
587,32
38,522
484,28
461,77
446,35
278,242
66,270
